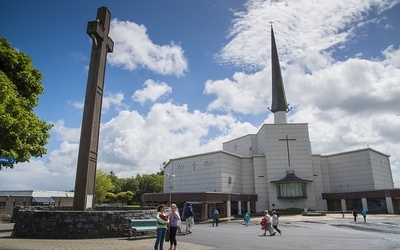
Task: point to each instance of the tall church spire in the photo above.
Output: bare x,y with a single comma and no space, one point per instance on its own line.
279,105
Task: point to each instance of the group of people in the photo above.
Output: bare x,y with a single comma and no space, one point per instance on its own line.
270,224
169,224
363,212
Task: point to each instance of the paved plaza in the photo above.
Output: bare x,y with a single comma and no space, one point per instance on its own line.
299,232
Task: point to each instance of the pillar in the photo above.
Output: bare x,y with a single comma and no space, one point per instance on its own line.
389,205
228,209
239,207
344,208
364,203
248,207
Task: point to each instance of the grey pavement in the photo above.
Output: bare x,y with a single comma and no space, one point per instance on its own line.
299,232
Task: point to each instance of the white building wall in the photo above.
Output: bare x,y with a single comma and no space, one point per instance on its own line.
231,173
381,171
198,173
262,141
260,183
248,186
318,183
244,146
326,182
350,171
300,160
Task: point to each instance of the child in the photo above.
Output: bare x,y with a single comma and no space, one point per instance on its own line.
247,219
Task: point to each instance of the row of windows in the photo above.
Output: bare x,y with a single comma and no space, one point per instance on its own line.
291,190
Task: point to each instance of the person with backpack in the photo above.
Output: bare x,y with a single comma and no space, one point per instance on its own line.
266,223
189,216
215,216
246,219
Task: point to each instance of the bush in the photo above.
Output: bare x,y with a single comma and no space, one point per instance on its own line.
5,215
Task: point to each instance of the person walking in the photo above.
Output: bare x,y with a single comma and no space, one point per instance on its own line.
189,216
275,222
266,223
364,214
355,214
174,221
162,227
215,216
246,219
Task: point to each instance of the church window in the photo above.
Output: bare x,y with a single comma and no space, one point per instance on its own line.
292,190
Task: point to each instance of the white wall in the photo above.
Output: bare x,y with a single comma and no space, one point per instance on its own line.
244,146
198,173
381,170
350,172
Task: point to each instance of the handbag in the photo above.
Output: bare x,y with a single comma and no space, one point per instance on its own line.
167,236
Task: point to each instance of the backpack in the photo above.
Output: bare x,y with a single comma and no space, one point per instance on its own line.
263,222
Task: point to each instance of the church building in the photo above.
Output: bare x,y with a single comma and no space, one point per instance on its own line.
276,169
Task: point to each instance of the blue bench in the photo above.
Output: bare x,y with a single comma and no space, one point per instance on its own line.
143,225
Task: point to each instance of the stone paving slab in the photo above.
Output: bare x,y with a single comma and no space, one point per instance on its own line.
8,243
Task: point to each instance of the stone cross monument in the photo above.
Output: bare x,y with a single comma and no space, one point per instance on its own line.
88,146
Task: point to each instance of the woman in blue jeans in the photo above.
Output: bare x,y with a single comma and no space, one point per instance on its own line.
162,227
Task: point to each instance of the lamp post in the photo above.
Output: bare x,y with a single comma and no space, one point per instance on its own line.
171,176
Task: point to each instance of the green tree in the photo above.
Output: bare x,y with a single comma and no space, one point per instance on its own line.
124,196
147,183
118,183
23,134
103,186
110,197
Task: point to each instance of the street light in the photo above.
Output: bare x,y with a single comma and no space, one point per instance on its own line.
170,186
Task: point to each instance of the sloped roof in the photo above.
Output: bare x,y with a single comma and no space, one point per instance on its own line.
43,199
291,178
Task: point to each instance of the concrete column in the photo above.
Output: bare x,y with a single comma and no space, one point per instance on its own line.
248,207
239,207
344,208
364,203
389,205
228,209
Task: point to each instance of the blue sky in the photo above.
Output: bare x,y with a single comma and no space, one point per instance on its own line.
186,76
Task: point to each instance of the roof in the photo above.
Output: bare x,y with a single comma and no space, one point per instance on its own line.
43,199
291,178
36,193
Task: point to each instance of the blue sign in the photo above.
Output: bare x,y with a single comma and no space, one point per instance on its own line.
7,160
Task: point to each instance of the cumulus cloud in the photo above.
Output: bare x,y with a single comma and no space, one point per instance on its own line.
109,99
133,48
133,143
152,91
64,133
112,99
300,37
247,94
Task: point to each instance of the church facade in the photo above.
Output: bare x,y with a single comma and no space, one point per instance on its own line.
276,169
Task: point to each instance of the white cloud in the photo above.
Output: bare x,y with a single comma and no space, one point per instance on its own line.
111,99
152,91
131,143
246,94
64,133
133,48
77,105
325,25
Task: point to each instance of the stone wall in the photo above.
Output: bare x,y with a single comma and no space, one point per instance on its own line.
57,224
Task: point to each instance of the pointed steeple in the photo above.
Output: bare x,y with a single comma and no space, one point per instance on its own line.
279,105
